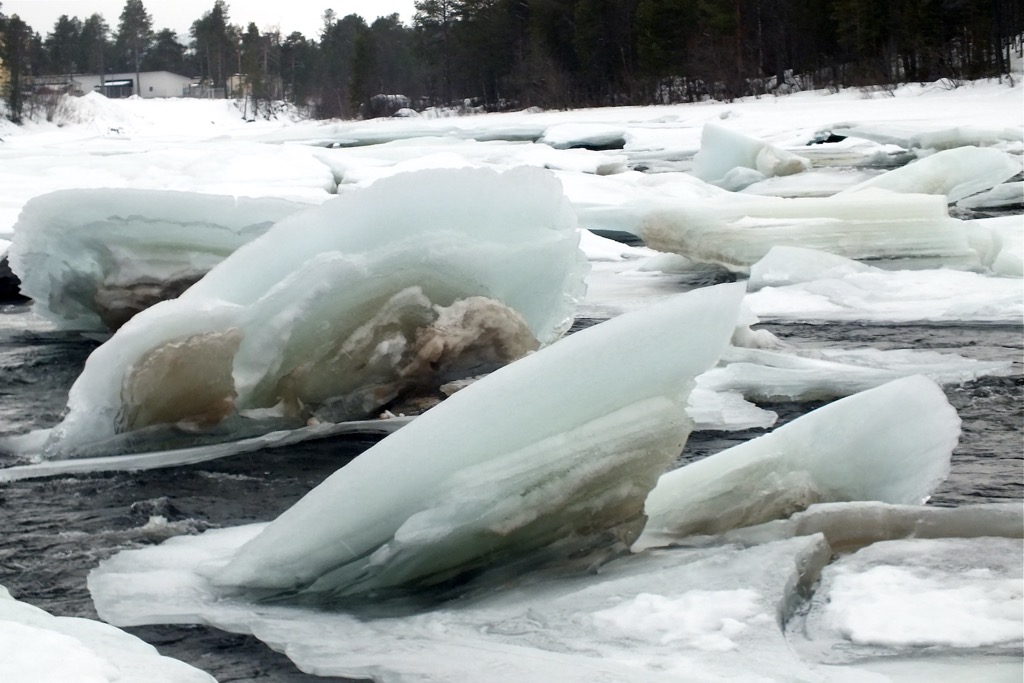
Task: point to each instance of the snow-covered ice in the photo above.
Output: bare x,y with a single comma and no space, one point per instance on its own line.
37,647
956,173
802,284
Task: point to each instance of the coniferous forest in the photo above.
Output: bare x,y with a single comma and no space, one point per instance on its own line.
511,54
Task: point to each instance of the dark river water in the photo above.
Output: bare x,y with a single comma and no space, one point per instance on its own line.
53,531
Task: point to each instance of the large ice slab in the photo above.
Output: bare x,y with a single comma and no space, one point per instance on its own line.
555,451
338,310
666,615
91,259
738,230
956,173
37,647
801,284
724,151
892,444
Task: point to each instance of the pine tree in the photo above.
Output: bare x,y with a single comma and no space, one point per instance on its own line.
135,35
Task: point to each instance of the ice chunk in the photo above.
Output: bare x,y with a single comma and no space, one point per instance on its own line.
739,230
667,615
853,525
794,374
892,444
955,173
723,149
36,647
1000,242
91,259
1001,196
901,598
595,136
793,285
339,309
596,418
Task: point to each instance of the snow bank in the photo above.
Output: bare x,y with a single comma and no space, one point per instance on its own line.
37,647
557,449
338,310
892,444
91,259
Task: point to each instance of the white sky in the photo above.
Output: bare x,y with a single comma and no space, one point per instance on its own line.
288,15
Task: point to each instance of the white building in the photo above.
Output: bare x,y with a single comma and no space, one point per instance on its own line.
153,84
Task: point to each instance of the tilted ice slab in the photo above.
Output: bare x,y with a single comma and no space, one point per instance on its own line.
794,374
891,444
739,230
343,307
802,284
724,151
1000,196
955,173
894,605
665,615
558,449
37,647
91,259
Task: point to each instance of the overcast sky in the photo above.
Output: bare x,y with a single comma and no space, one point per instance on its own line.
287,15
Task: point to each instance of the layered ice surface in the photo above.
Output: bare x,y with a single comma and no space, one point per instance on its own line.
738,230
91,259
37,647
338,310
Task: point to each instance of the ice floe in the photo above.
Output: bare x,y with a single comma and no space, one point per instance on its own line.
37,647
892,444
338,310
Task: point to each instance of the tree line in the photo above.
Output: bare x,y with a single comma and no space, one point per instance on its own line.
500,54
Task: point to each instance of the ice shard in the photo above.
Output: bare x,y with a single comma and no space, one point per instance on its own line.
336,311
553,453
91,259
891,444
